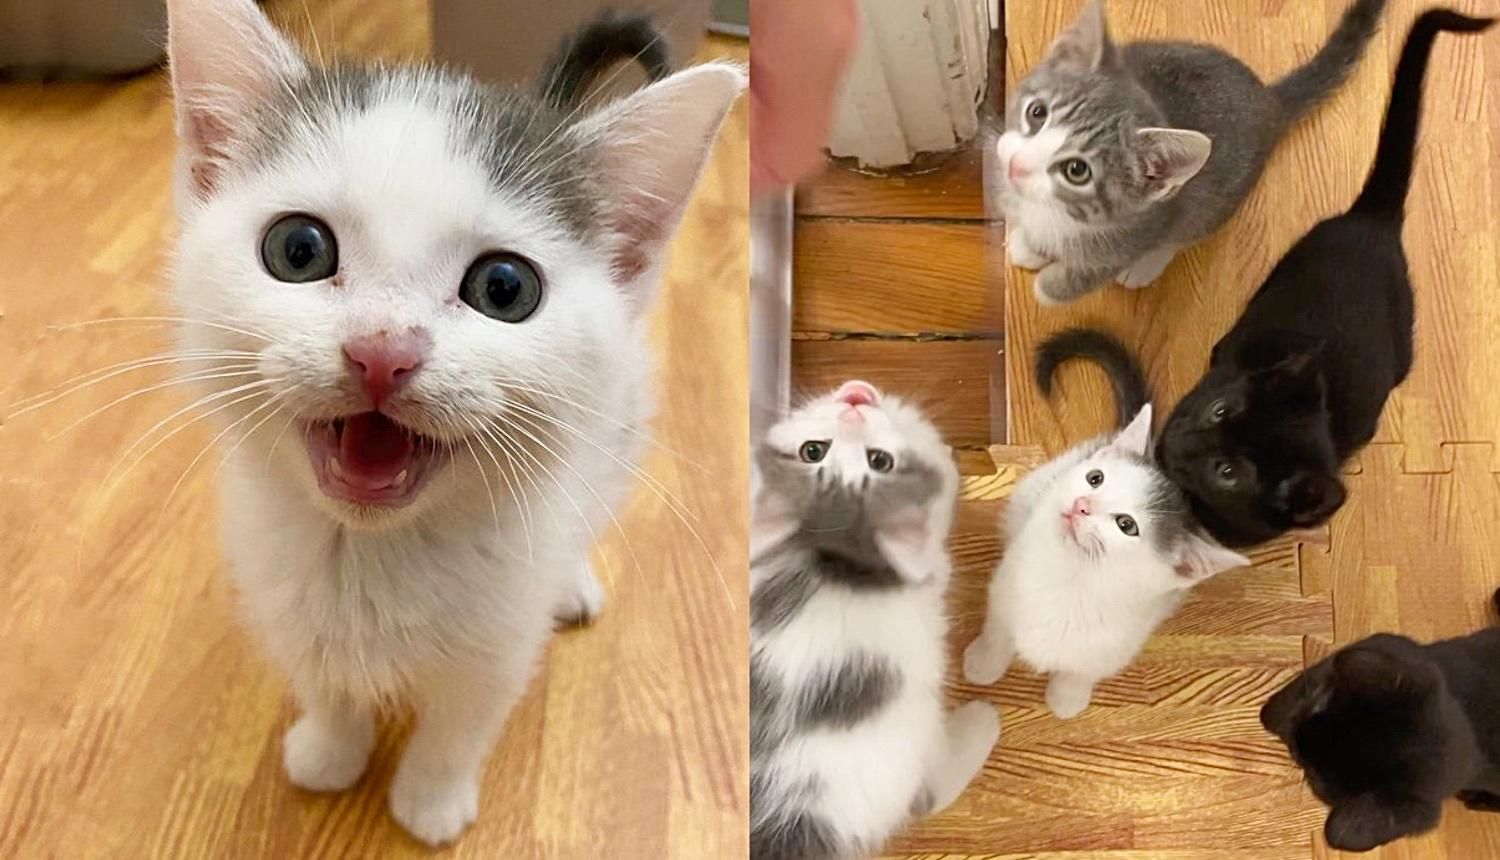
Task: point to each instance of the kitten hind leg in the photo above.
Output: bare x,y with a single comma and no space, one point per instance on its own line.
1146,269
988,657
969,734
1481,801
327,748
1068,694
582,600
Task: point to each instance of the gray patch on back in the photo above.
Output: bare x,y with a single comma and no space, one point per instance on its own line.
777,600
789,831
511,132
843,696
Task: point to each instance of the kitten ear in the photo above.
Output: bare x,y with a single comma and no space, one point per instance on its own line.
906,543
1135,437
225,57
1087,42
1310,497
653,145
1371,820
1367,671
1202,557
1170,157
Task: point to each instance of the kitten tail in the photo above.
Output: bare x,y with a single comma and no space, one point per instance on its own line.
1308,85
1125,374
1384,194
601,43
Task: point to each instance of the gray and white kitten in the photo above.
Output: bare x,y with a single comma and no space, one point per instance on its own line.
848,735
1116,157
420,302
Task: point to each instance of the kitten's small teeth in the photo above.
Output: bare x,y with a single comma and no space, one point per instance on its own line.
335,468
400,479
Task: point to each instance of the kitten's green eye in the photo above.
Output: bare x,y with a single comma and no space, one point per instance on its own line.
1127,525
1077,171
813,452
503,287
299,248
879,460
1094,477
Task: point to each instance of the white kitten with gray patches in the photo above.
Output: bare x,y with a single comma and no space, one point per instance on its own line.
1100,550
849,566
1116,157
430,293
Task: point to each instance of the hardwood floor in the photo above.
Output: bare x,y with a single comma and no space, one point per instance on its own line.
138,719
1170,762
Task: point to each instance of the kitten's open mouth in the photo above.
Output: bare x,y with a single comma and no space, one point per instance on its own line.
369,459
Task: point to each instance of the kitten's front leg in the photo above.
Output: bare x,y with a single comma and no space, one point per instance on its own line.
987,658
970,733
1146,269
435,794
1020,252
1068,694
327,747
1060,283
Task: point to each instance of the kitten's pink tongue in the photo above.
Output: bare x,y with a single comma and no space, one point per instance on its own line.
373,449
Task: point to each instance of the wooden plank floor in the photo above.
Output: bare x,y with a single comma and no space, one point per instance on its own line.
1170,763
137,718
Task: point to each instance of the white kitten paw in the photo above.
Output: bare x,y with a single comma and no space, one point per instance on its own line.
1021,254
1044,285
1145,271
319,757
975,725
583,600
1068,697
985,661
434,810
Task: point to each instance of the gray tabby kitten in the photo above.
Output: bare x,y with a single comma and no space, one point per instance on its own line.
1114,158
848,734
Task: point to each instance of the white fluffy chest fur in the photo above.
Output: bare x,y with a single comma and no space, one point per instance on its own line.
871,772
1066,616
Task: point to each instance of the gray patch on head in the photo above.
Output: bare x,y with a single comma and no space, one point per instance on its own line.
842,696
516,136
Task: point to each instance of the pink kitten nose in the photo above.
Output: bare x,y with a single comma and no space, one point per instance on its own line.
856,393
1017,171
1081,507
386,360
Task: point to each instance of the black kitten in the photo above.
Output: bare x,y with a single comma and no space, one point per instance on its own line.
1298,385
1386,729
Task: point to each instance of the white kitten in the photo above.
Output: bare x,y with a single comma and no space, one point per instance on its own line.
848,739
426,300
1100,550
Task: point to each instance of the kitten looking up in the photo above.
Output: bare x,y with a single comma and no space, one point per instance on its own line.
437,288
1116,157
1100,549
848,739
1387,729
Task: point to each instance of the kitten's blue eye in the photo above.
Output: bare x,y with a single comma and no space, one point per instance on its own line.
813,452
1094,477
299,248
879,460
1127,525
1034,115
503,287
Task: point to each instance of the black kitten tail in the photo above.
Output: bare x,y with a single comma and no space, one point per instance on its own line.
604,41
1308,85
1384,194
1125,373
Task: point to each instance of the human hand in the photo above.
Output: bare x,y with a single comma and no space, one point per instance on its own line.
798,51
